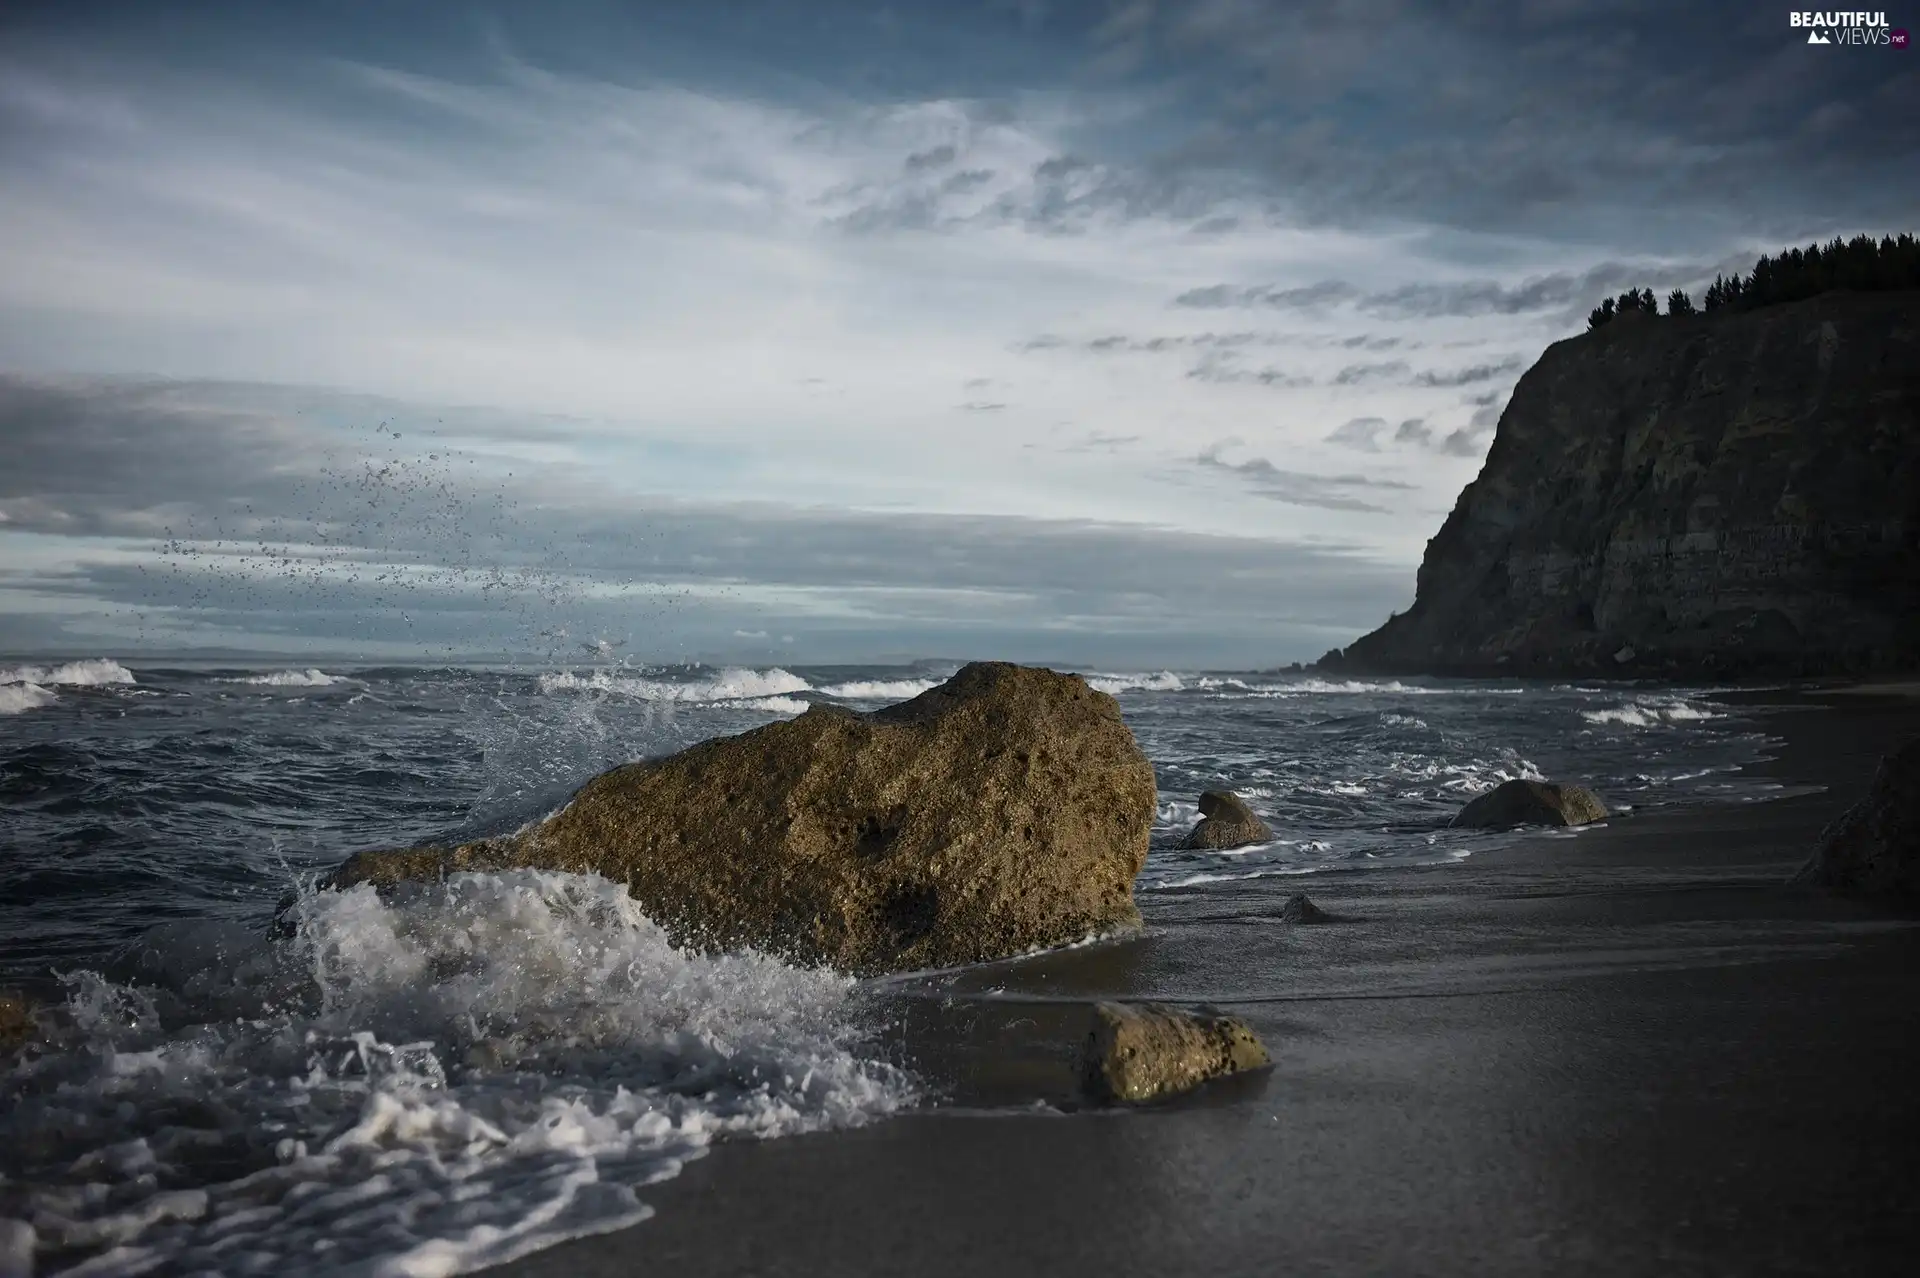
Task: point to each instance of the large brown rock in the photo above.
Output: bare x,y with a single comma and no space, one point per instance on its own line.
1530,803
1148,1051
1226,822
1874,847
1007,809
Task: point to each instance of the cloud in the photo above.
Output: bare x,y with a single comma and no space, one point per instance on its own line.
1219,371
191,514
1120,343
1554,294
1299,488
1471,374
1413,431
937,157
1551,118
1371,374
1362,433
1304,297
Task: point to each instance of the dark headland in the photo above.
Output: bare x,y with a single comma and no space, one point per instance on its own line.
1632,1050
1729,494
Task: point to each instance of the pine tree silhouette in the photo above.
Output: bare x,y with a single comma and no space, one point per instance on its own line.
1861,264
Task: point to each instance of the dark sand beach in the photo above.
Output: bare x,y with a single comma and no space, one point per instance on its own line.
1632,1050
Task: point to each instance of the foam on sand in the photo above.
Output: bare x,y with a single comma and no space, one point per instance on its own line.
480,1068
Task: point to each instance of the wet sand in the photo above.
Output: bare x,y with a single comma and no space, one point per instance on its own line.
1633,1050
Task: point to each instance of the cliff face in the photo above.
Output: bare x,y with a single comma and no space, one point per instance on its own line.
1708,495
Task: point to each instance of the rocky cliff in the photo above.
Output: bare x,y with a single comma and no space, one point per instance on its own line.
1705,495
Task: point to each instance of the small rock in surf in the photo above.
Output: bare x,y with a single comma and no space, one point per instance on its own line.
1531,803
1226,822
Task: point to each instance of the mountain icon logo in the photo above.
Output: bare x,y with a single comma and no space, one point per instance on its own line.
1814,37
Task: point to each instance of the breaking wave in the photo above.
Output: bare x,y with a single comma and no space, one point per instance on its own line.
18,697
289,679
879,689
94,673
1647,714
1115,684
727,685
24,688
479,1068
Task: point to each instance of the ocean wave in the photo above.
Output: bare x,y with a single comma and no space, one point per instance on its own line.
487,1066
1347,686
727,685
93,673
778,705
879,689
17,698
1115,684
1648,714
308,678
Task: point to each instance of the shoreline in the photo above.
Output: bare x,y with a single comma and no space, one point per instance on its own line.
1630,1050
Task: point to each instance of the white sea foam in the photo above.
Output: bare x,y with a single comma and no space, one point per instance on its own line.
18,697
727,685
485,1066
308,678
880,689
778,705
1648,714
97,672
1348,686
1115,684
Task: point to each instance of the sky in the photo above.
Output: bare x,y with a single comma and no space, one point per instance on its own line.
1110,333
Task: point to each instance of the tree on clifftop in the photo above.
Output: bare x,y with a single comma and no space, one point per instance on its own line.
1861,264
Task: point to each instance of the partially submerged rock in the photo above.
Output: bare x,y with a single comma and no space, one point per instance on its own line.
1141,1052
17,1025
1226,822
1873,848
1005,810
1531,803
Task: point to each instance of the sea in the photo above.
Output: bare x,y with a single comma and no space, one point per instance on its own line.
433,1084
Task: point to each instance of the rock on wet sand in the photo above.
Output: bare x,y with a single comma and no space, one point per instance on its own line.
1873,848
1142,1052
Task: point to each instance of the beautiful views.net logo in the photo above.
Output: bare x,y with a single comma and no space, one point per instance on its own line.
1849,28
